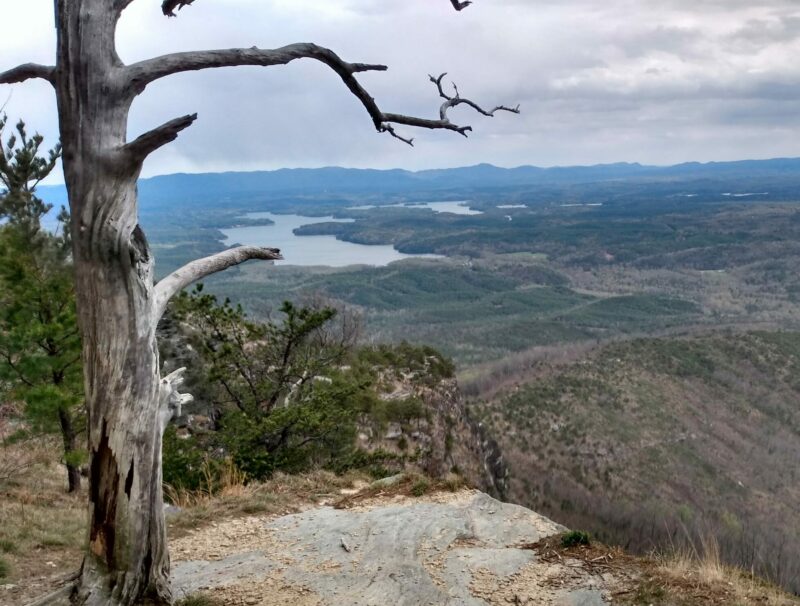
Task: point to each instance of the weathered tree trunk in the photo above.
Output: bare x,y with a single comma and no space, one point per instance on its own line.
70,442
127,560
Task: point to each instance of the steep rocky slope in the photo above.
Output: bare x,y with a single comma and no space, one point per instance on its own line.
656,440
442,439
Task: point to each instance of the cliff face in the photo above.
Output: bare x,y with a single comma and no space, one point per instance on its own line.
440,438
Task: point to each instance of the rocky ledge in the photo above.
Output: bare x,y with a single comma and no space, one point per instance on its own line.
458,549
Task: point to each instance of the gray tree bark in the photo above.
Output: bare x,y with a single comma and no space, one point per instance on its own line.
127,559
128,403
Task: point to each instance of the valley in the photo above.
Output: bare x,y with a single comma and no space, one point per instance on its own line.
628,335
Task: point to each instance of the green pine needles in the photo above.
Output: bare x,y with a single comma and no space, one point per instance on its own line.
40,348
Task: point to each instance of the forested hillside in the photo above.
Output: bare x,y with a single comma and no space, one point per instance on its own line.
663,441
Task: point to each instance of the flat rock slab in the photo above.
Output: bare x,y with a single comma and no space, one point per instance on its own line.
460,550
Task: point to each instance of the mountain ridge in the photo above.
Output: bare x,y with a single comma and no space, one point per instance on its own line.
333,180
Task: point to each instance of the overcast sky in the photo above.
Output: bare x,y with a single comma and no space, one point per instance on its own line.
651,81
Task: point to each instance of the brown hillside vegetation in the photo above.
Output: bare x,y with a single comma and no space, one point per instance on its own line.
666,441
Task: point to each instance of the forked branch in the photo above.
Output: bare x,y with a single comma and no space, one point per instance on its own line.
145,72
197,270
28,71
456,100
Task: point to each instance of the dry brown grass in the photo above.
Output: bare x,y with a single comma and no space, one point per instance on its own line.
406,484
22,460
702,572
198,599
686,577
281,494
41,527
228,481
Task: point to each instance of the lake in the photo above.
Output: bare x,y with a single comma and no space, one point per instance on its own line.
311,250
454,208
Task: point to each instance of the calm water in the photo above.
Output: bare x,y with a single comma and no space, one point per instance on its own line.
455,208
310,250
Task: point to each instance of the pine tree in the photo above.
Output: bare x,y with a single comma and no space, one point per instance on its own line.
276,389
40,349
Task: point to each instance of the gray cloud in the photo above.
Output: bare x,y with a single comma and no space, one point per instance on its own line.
655,81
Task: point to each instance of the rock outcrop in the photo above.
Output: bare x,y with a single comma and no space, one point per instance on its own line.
449,549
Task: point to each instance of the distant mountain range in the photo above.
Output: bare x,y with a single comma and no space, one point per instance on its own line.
204,188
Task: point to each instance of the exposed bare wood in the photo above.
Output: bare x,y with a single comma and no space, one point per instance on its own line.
201,268
150,141
28,71
172,401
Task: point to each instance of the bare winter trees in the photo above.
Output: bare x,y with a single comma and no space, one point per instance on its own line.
118,304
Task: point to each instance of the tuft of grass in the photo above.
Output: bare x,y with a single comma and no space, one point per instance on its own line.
575,538
684,578
681,572
198,599
453,482
226,481
649,593
5,569
7,546
420,487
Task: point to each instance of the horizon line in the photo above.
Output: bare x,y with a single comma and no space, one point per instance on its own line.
466,166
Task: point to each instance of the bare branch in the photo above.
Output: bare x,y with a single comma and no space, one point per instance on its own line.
143,73
457,99
388,128
460,6
172,400
201,268
149,142
28,71
169,6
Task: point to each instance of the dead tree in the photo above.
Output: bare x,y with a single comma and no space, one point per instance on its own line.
128,402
